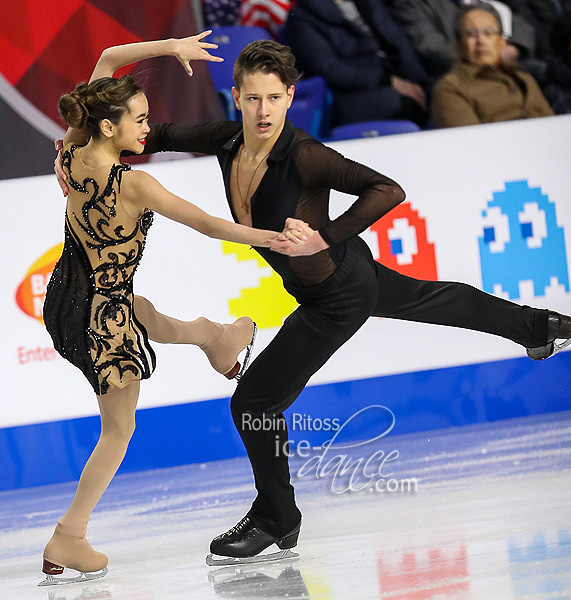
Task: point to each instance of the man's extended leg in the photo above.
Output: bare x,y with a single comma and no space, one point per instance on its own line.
542,332
458,305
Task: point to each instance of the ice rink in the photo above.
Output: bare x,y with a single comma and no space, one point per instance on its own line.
490,518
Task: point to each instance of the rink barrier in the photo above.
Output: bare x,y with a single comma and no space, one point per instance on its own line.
203,431
485,205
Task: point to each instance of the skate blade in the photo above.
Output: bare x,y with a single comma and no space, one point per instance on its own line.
56,580
558,347
248,356
223,561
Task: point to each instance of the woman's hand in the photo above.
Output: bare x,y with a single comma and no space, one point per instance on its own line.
295,231
193,48
298,239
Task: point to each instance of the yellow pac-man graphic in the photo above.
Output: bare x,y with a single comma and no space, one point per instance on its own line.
268,304
31,292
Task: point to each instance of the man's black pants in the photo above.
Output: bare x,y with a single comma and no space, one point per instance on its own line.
328,315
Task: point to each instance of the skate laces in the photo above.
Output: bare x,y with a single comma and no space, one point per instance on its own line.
241,528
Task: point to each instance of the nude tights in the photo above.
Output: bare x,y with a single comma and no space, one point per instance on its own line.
222,343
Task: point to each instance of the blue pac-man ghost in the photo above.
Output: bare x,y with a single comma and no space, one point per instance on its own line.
521,241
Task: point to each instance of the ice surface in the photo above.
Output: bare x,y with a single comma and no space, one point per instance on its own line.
490,518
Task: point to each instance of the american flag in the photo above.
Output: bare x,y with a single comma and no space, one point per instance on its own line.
220,13
269,14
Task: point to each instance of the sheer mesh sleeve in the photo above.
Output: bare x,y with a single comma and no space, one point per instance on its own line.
202,139
323,167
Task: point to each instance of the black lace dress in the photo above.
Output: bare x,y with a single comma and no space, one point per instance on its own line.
88,309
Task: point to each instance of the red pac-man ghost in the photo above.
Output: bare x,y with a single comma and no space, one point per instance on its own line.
403,243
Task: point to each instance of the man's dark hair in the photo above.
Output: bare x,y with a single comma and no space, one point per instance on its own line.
266,56
464,10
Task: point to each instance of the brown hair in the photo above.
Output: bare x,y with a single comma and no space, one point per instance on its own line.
89,103
266,56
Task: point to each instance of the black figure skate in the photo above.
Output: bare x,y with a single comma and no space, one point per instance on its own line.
244,542
558,328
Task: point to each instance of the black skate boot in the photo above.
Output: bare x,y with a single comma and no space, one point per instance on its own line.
558,328
243,543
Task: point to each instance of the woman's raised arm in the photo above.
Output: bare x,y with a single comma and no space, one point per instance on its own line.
115,57
184,50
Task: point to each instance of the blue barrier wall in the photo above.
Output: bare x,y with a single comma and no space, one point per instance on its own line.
202,431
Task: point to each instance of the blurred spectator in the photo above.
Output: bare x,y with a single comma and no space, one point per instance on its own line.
430,25
364,57
558,88
561,38
541,15
480,88
550,68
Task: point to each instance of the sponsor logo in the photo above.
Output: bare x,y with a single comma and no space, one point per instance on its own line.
521,243
31,292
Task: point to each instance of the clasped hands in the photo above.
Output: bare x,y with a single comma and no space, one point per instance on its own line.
298,239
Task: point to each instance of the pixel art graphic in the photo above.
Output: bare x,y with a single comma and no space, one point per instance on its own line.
268,304
522,242
545,550
403,243
403,246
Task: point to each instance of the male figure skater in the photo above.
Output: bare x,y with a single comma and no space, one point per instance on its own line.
273,171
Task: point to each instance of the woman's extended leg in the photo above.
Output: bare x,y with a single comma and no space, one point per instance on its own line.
68,546
221,343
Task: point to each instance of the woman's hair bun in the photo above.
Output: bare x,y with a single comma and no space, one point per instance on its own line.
73,106
89,103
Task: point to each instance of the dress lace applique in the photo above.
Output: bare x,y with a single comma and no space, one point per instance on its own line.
89,301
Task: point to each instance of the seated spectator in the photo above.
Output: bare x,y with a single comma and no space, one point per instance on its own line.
561,38
541,15
430,26
364,57
480,88
558,88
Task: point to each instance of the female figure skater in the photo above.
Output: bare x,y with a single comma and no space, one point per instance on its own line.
90,311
